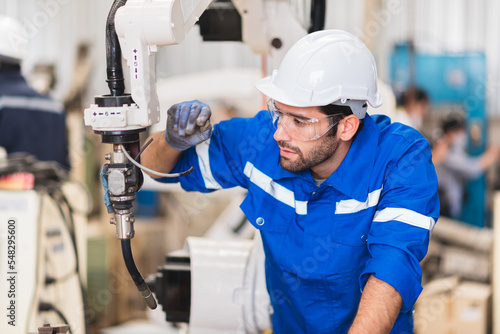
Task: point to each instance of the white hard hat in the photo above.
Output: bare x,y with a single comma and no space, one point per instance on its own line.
13,45
325,67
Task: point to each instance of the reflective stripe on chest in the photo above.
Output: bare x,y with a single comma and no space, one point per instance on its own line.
274,189
353,206
287,196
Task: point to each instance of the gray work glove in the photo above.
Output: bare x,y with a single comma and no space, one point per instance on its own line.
188,124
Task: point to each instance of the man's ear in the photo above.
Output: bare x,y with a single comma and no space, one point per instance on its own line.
348,127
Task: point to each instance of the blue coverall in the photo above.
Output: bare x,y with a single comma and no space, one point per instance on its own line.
30,122
373,215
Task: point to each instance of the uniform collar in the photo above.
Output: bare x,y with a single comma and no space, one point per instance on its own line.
353,175
352,178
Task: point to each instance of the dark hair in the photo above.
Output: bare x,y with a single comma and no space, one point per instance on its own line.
415,94
332,109
342,112
452,123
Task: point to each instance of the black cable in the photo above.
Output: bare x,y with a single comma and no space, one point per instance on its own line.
47,307
114,70
136,275
53,280
143,149
318,13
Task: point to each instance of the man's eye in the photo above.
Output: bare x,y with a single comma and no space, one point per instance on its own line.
299,122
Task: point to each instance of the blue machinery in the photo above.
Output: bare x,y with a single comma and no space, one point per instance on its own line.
457,79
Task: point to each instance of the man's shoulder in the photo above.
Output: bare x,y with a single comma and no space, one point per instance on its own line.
400,150
393,132
398,142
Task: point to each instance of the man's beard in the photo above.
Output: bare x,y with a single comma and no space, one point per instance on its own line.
320,153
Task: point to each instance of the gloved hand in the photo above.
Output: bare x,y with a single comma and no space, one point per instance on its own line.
188,124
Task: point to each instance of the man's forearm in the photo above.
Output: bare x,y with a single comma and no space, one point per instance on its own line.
159,156
378,309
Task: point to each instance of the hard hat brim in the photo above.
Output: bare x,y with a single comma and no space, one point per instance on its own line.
268,88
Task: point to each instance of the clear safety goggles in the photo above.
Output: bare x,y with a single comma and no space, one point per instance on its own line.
298,127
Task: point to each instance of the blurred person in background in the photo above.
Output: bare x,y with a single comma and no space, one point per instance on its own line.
454,166
29,121
415,103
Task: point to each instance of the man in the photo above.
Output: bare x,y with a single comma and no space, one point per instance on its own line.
29,122
344,202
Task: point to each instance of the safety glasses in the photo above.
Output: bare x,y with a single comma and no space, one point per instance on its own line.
298,127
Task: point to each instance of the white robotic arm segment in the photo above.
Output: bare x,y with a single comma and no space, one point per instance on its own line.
269,27
254,30
113,118
283,28
142,26
160,22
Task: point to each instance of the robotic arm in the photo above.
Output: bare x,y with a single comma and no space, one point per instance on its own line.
268,27
141,27
137,28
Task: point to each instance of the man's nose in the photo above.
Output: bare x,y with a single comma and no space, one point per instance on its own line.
280,133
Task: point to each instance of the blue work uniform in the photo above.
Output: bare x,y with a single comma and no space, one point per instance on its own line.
373,215
30,122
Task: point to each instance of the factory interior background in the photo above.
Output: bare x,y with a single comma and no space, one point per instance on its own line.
449,49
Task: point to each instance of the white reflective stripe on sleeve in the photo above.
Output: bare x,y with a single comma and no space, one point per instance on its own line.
30,103
204,161
274,189
352,206
405,216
